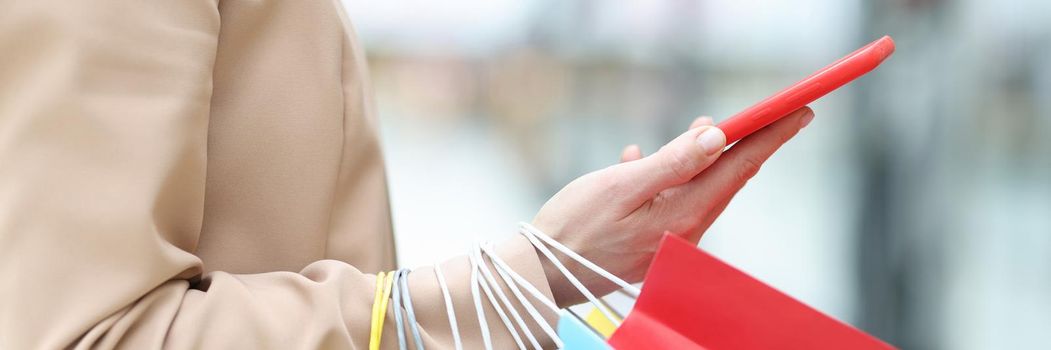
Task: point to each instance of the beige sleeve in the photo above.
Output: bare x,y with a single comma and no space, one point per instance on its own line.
103,123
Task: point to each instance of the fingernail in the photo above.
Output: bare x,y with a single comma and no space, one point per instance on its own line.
712,140
807,118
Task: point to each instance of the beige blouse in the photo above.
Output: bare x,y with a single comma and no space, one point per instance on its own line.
199,174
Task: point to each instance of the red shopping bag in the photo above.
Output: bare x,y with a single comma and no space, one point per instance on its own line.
691,300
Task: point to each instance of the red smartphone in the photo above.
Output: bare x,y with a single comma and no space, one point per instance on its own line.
807,90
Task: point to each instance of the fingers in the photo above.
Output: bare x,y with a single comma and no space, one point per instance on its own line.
633,152
630,153
702,121
674,164
742,162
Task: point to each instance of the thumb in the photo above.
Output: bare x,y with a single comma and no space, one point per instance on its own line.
676,163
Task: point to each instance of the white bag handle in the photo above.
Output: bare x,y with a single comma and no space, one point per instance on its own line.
482,324
477,262
630,289
488,275
449,310
572,279
514,281
482,278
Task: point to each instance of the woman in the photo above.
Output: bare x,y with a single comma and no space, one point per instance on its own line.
193,174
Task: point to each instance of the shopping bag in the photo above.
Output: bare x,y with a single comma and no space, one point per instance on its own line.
576,335
691,300
600,323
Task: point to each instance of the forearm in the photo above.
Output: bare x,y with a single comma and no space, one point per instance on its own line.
104,114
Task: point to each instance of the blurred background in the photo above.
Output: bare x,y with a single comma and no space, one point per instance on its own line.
917,205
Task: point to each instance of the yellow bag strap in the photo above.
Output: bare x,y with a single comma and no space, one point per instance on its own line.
379,307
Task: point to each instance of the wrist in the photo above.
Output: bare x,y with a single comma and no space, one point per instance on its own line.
525,260
565,289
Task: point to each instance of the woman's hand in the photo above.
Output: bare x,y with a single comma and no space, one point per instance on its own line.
616,216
